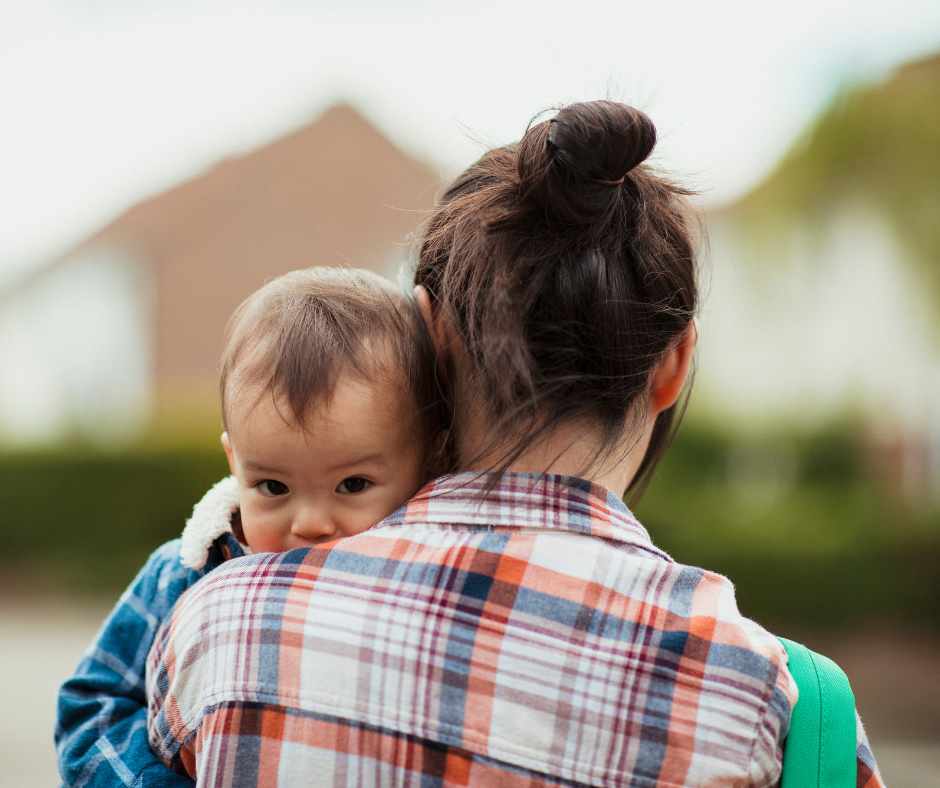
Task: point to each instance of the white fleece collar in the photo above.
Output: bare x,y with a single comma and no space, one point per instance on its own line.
212,517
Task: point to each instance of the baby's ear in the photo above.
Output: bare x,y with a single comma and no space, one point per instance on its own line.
227,446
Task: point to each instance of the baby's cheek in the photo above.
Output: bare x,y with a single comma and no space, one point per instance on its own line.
261,533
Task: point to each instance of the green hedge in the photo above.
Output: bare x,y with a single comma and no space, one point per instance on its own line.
821,548
809,539
85,520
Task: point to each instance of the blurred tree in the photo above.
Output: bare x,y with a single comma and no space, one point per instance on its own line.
880,142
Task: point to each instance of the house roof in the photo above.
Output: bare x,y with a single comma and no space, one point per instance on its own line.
292,200
334,192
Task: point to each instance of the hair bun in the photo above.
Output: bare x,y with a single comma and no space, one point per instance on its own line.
572,164
601,140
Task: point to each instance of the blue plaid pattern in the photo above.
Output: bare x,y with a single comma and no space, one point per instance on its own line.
101,727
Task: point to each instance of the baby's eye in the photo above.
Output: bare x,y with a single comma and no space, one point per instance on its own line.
271,488
352,485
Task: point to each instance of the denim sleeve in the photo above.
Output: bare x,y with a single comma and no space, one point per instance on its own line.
101,726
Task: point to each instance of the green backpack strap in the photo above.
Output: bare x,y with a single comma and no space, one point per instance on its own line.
820,747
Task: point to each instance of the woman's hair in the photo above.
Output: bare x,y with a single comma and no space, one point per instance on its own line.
567,266
294,337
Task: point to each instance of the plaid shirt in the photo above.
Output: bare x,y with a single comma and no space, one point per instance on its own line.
532,635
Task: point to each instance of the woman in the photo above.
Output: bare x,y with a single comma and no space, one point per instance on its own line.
514,624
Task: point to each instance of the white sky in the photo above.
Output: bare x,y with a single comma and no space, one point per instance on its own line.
106,102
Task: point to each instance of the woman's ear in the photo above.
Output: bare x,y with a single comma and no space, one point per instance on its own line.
229,454
434,323
670,374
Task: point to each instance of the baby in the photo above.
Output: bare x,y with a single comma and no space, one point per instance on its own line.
332,420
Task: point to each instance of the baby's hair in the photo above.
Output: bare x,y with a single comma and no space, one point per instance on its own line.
567,265
294,337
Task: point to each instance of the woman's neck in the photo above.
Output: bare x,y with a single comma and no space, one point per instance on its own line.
569,450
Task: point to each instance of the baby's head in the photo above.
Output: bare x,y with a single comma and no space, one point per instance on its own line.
329,405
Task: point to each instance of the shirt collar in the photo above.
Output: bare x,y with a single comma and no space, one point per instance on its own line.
525,500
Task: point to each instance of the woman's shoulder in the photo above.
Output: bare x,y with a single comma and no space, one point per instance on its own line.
706,601
735,668
704,604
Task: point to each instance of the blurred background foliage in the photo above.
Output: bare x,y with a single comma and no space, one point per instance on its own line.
801,522
876,142
796,518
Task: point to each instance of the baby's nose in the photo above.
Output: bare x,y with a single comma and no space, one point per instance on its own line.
313,523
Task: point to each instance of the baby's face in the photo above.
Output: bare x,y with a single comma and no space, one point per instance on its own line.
357,460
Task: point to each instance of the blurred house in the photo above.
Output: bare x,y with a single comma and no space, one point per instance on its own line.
824,282
130,322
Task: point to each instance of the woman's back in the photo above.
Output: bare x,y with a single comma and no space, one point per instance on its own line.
529,634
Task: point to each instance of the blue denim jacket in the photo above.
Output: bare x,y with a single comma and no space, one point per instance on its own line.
101,726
